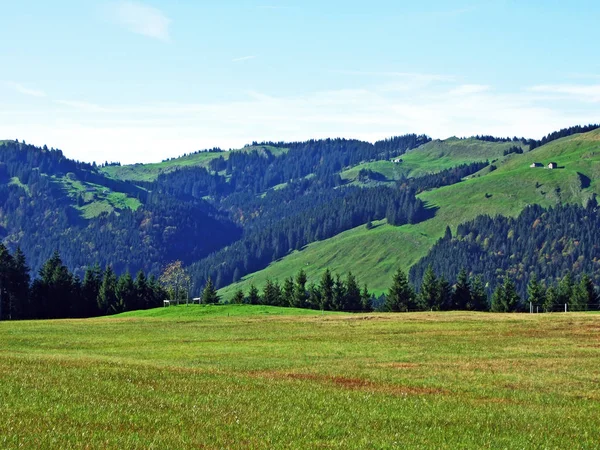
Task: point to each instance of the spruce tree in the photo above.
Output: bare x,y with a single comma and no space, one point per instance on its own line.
401,296
288,292
326,291
126,294
462,291
444,297
584,294
209,293
107,295
90,289
535,292
353,294
429,293
253,295
365,298
238,297
300,298
142,293
20,285
479,298
339,294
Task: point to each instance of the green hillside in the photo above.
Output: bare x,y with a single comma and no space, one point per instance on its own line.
436,156
375,254
149,172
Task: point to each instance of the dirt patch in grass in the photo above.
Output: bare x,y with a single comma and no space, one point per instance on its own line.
351,383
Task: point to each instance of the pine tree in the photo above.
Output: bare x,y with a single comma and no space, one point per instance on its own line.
6,265
479,298
126,294
326,291
535,292
253,295
339,294
288,292
506,298
565,289
444,295
209,293
365,298
300,297
429,293
142,293
401,296
20,285
107,295
271,293
353,294
462,291
90,289
238,297
584,295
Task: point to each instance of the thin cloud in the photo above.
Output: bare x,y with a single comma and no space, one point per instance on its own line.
469,89
25,90
586,93
83,106
244,58
142,19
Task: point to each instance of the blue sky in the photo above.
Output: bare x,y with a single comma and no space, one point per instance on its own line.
141,81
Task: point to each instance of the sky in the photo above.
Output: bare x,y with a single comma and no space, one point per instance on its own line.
141,81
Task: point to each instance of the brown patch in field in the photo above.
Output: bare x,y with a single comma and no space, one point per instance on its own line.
399,365
354,384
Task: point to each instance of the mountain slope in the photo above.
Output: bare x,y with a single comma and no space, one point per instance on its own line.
506,190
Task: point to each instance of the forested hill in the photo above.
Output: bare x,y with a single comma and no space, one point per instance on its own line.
545,243
48,203
263,210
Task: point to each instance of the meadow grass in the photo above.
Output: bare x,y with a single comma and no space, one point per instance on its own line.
260,377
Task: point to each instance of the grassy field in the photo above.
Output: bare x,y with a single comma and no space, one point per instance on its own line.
259,377
376,254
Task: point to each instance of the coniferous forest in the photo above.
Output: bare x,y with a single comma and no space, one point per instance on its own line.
72,235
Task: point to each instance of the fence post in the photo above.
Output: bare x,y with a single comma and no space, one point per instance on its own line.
565,307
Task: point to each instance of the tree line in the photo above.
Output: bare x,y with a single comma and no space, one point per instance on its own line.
56,293
436,293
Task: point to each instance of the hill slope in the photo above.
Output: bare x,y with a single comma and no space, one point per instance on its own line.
507,190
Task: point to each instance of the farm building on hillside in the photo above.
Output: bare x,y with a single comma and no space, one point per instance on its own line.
552,165
397,160
534,165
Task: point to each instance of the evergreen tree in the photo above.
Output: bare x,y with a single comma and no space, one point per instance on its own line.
584,295
353,294
107,297
253,295
126,294
401,297
326,291
142,292
365,298
238,298
339,294
462,291
479,298
209,293
506,298
300,298
444,294
20,285
552,302
271,293
429,293
535,292
90,290
6,266
287,292
565,289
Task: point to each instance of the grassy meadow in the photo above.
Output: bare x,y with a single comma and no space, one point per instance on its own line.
264,377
